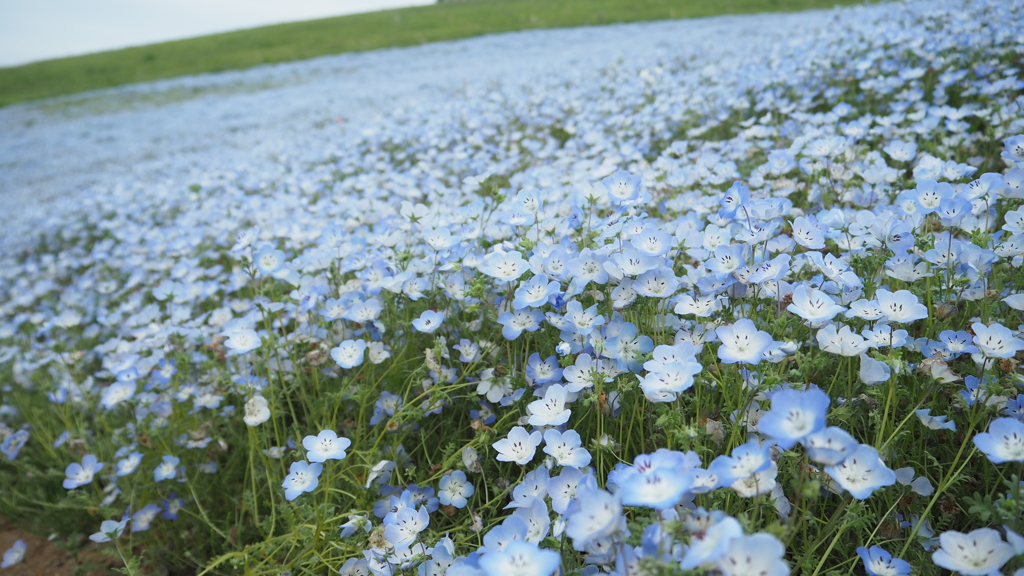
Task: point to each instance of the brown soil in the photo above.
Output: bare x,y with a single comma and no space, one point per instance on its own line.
44,558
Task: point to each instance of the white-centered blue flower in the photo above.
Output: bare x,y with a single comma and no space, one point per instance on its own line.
326,445
302,477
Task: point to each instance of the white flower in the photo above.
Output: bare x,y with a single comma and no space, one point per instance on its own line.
256,411
996,341
518,447
977,553
551,410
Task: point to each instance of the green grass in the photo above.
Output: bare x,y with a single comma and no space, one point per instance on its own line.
383,29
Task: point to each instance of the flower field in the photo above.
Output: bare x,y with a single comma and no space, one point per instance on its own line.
739,296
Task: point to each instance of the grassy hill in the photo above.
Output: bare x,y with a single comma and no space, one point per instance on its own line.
383,29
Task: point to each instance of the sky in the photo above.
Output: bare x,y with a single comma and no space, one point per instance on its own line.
33,30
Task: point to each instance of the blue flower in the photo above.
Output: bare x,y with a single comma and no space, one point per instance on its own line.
1004,441
142,519
13,444
513,323
521,558
385,407
862,472
406,527
302,477
428,321
14,554
171,505
455,489
759,554
109,530
504,266
535,292
879,562
167,468
325,446
794,415
82,474
746,460
566,448
742,342
349,353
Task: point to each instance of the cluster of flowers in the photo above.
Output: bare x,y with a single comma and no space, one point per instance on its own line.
673,236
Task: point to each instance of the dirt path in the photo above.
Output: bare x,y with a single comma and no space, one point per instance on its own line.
44,558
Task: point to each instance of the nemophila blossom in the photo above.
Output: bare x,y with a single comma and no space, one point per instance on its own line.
242,341
566,448
632,262
934,422
746,460
626,345
883,335
900,306
901,150
514,323
808,233
844,341
511,529
302,477
656,480
977,553
15,554
129,464
1014,149
519,446
794,414
269,260
429,321
736,196
257,411
535,292
504,266
109,530
455,489
711,544
742,342
771,270
167,468
835,269
325,446
657,283
829,446
755,555
349,353
813,305
862,472
543,371
171,506
585,321
593,515
385,407
996,341
493,387
13,444
143,517
520,558
406,527
82,474
622,187
550,410
873,371
1004,441
879,562
117,393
